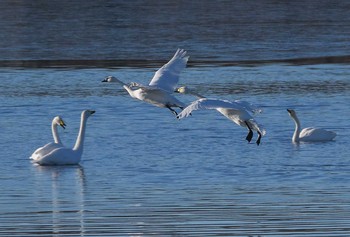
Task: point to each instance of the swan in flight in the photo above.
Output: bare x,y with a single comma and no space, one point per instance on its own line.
57,121
236,111
159,90
309,134
66,156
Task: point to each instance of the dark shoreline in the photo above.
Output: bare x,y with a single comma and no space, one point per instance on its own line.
156,63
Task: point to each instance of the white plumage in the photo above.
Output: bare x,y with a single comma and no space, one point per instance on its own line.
57,121
164,82
66,156
309,134
237,111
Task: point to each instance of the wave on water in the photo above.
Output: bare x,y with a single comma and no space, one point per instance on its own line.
155,63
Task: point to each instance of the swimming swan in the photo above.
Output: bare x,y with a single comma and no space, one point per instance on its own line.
309,134
57,121
159,90
67,156
236,111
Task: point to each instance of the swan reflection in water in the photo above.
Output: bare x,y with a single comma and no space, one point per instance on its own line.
66,202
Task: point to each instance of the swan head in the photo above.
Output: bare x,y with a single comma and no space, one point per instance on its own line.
87,113
291,112
134,84
110,79
183,90
59,121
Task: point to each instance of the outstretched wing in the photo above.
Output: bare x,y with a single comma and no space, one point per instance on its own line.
249,107
168,75
208,104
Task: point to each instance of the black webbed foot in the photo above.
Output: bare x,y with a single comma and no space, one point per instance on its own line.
250,133
259,139
249,136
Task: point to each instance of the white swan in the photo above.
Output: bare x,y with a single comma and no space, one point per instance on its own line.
63,155
57,121
309,134
236,111
159,90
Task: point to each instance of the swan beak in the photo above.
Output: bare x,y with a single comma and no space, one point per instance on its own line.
105,80
92,111
62,124
289,111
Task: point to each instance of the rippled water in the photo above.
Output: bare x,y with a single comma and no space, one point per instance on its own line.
146,174
143,172
150,30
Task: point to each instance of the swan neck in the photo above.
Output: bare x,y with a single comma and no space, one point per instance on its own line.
55,133
297,129
129,90
79,144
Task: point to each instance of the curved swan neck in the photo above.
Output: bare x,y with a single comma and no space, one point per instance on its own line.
79,144
130,91
55,133
297,129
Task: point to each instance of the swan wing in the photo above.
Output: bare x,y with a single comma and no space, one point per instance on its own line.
168,75
249,107
205,103
60,156
316,134
42,151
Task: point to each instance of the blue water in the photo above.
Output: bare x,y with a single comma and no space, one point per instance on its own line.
143,172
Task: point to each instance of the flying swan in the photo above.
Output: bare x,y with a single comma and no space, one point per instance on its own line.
236,111
57,121
159,90
309,134
63,155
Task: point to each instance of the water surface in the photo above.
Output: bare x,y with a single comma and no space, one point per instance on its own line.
144,173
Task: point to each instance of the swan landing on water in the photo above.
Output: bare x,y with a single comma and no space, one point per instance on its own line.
309,134
62,155
160,89
236,111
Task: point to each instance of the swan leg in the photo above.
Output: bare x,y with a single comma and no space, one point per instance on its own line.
172,110
259,139
250,133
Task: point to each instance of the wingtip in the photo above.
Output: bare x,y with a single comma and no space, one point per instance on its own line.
180,53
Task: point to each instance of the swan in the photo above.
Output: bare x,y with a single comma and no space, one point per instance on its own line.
236,111
159,91
309,134
63,155
57,121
